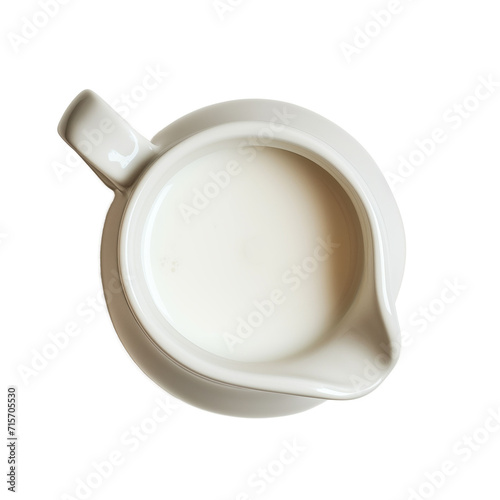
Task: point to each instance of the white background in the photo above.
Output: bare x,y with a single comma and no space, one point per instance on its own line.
398,89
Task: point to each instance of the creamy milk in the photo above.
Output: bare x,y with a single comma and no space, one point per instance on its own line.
253,259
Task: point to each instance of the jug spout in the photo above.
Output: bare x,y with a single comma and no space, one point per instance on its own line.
354,358
110,146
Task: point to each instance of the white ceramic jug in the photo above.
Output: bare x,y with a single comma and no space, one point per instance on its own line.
178,260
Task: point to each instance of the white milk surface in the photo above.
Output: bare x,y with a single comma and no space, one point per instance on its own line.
252,258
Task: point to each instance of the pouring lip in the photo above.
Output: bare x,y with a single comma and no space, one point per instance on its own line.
181,350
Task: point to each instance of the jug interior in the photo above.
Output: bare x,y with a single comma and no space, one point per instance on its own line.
254,254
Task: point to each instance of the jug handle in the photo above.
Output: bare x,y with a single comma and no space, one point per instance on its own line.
105,141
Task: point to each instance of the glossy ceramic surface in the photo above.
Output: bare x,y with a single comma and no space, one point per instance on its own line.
137,169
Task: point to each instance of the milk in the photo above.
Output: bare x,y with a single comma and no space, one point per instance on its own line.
253,259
